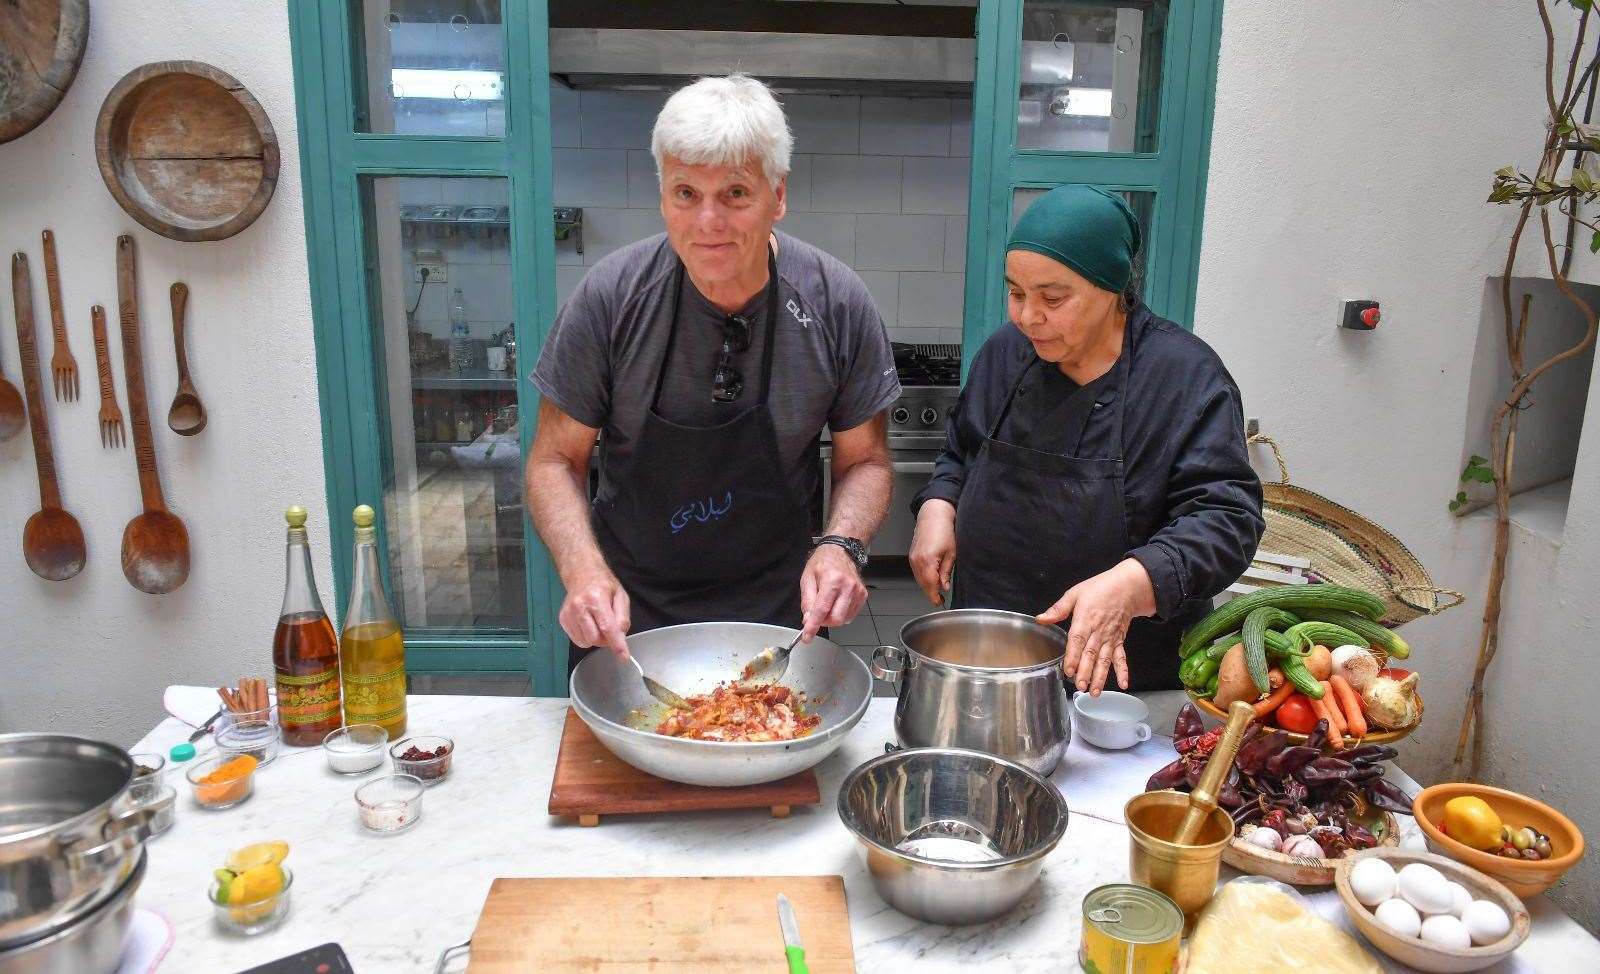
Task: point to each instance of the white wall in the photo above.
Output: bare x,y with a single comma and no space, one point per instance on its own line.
1351,155
92,654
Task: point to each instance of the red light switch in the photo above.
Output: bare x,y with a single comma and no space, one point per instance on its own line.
1360,315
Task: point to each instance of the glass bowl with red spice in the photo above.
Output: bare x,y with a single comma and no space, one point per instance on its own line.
427,756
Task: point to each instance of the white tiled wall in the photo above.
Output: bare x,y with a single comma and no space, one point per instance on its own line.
880,183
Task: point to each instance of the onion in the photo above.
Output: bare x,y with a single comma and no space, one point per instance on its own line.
1356,665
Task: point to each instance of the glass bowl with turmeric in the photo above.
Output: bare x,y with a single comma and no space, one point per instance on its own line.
223,781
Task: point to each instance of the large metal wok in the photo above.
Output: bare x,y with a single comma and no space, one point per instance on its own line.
692,659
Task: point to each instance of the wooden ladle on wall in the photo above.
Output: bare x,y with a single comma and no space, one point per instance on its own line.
155,544
52,540
187,415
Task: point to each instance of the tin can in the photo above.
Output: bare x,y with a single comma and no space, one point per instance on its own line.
1129,929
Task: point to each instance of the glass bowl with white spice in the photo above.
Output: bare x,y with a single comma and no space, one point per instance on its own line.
355,748
392,803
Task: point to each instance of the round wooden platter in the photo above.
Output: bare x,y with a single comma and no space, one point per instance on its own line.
186,150
1297,870
41,46
1374,737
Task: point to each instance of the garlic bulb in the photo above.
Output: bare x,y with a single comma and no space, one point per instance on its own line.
1390,703
1358,666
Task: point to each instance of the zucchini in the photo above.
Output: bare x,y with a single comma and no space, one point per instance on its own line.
1375,633
1231,614
1255,641
1309,634
1278,646
1294,670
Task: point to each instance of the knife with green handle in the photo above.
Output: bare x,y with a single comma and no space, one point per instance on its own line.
791,937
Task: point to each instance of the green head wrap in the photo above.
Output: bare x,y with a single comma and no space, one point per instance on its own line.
1086,228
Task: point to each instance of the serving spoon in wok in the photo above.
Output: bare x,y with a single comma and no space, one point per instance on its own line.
771,663
659,690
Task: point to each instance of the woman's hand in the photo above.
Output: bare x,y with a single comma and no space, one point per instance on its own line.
1101,609
933,548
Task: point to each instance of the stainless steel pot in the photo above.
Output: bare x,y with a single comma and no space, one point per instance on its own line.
952,836
66,844
694,658
92,944
982,679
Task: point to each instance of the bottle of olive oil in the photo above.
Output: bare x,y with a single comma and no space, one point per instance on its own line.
305,653
372,655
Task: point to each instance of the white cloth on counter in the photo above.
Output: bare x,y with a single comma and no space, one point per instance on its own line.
195,705
149,938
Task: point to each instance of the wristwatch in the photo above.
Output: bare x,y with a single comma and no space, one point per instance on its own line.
856,550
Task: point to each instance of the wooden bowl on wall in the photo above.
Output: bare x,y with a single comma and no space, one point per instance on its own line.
41,46
186,150
1416,952
1525,877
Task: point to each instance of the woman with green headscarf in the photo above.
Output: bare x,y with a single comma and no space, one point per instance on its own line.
1094,469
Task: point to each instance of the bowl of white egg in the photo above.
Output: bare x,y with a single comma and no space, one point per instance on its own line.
1430,912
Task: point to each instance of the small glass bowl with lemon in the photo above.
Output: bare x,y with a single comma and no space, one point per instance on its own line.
250,895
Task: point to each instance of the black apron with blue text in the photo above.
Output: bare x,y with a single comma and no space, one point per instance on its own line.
704,524
1031,524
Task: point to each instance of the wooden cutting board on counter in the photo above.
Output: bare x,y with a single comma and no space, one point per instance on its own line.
671,924
590,782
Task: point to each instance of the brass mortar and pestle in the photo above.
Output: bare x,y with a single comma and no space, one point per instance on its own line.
1176,840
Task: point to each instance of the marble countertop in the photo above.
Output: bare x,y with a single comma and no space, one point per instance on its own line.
394,903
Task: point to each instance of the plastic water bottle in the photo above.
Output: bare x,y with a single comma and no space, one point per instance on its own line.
460,344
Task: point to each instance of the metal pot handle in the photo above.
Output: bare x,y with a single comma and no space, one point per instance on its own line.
882,657
127,831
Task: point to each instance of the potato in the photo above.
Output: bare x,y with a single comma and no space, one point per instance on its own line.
1233,679
1319,662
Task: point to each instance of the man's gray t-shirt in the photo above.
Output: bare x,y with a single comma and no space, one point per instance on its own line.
832,364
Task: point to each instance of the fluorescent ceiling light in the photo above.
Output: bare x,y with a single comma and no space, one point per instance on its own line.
454,85
1095,102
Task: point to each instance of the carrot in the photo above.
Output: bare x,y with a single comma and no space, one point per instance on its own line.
1346,695
1335,713
1324,710
1270,703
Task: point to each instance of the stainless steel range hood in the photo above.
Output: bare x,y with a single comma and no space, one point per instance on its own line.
589,57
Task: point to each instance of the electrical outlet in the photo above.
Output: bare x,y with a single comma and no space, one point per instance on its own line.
433,262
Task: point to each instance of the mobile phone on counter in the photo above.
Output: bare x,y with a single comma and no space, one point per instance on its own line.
326,959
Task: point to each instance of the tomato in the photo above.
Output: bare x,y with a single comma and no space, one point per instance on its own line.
1394,673
1296,714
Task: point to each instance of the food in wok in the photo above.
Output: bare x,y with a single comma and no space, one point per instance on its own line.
738,712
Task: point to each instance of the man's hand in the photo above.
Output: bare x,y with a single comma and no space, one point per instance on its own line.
1101,609
933,548
595,612
831,590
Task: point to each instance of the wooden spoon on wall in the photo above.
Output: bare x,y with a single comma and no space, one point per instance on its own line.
155,544
52,540
187,415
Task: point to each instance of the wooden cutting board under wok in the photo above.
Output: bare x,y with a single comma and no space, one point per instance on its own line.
659,924
590,782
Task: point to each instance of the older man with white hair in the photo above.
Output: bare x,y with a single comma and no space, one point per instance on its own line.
708,360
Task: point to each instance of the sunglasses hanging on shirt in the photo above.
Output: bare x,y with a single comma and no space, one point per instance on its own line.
726,382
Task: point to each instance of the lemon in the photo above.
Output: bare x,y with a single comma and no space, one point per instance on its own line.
252,895
1471,821
259,854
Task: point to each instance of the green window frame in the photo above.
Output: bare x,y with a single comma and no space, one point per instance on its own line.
334,160
1175,172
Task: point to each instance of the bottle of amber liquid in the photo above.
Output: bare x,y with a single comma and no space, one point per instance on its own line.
372,655
305,653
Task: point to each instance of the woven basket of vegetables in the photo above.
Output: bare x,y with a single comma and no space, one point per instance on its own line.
1346,549
1271,649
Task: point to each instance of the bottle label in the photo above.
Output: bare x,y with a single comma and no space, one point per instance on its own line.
375,699
310,698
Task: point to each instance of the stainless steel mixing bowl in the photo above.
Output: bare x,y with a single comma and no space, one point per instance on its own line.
952,836
693,659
